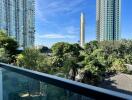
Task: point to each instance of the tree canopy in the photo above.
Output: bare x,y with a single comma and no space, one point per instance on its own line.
90,64
9,44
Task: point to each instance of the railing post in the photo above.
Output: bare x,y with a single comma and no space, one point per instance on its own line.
1,85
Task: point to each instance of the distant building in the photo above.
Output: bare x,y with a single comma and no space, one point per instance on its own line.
17,18
82,30
108,17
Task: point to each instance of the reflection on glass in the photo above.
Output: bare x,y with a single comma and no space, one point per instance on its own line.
19,87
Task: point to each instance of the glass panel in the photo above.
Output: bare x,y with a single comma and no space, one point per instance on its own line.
19,87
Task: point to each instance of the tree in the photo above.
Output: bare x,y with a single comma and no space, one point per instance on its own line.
9,44
71,66
91,46
31,58
90,74
45,49
60,48
118,66
44,64
66,57
128,59
3,56
91,64
93,68
28,58
58,51
75,49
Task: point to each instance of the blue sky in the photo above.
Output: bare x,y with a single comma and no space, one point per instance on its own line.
59,20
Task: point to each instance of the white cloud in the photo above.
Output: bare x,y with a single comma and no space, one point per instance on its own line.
56,36
71,30
50,8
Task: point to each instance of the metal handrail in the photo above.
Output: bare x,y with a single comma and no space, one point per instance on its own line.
77,87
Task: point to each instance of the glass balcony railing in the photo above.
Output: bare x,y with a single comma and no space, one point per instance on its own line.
22,84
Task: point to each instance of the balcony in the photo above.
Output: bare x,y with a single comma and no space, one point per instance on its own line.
22,84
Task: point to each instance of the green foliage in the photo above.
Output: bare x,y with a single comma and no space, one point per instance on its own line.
118,65
9,44
28,58
45,49
66,56
105,57
3,56
57,61
128,59
70,66
31,58
75,49
91,63
60,48
91,46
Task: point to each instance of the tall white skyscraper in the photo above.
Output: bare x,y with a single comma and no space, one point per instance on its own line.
17,18
82,30
108,20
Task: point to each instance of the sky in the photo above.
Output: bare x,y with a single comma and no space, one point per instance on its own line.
59,20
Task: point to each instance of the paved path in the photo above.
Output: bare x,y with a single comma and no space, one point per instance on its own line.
120,82
129,67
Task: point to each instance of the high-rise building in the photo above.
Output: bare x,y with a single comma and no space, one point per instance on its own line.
82,30
108,17
17,18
